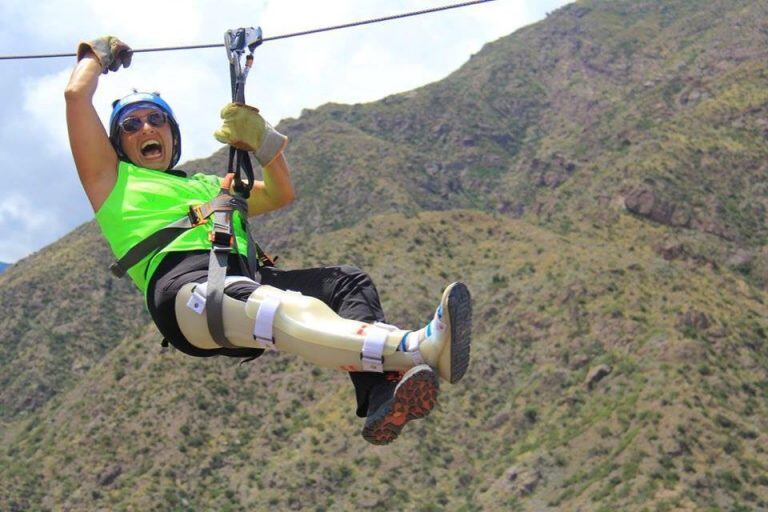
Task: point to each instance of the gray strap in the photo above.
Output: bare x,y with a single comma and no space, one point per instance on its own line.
217,272
217,266
251,253
222,202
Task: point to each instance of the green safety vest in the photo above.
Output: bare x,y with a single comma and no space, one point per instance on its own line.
144,201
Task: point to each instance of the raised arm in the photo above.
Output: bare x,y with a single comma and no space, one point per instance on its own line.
95,159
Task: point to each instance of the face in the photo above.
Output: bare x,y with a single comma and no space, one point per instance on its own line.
149,146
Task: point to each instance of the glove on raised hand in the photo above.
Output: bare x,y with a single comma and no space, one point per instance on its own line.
244,128
110,52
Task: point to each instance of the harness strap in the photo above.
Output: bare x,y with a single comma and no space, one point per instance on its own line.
150,244
196,216
221,242
222,237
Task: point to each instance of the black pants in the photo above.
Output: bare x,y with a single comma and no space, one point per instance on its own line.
347,290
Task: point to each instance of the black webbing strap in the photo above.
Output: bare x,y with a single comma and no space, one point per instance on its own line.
253,253
155,241
239,160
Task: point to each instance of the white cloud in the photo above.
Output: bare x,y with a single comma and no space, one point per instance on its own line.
23,225
18,209
44,104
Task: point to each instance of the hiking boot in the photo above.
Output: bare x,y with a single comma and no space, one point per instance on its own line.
413,398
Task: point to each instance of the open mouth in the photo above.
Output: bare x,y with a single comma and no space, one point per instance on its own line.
151,149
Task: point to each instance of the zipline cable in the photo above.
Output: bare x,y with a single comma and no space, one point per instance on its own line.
274,38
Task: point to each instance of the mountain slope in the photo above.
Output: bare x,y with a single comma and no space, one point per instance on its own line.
62,311
674,424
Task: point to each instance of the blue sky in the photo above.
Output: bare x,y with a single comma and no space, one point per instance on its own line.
41,199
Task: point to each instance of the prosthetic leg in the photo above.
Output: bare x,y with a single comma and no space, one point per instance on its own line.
291,322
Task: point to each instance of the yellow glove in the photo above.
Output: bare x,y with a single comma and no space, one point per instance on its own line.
244,128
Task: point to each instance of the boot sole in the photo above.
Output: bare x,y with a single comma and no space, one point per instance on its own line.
460,314
414,398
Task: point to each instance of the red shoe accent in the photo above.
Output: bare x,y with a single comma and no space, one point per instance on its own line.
394,376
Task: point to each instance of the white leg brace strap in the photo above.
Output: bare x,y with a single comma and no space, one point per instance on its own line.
265,320
373,346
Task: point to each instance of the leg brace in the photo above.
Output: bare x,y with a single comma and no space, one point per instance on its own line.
291,322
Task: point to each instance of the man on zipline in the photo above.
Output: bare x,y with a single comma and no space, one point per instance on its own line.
175,236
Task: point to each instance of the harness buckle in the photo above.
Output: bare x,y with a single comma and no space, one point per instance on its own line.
196,215
221,241
116,269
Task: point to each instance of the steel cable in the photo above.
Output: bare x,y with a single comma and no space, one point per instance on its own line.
266,39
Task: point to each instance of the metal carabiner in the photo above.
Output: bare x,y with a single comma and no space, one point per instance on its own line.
235,42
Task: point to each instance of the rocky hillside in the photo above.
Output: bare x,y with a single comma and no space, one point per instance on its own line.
62,312
597,179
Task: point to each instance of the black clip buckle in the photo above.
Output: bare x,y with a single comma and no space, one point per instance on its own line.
117,270
221,241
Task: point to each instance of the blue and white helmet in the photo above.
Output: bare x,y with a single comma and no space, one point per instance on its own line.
135,101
